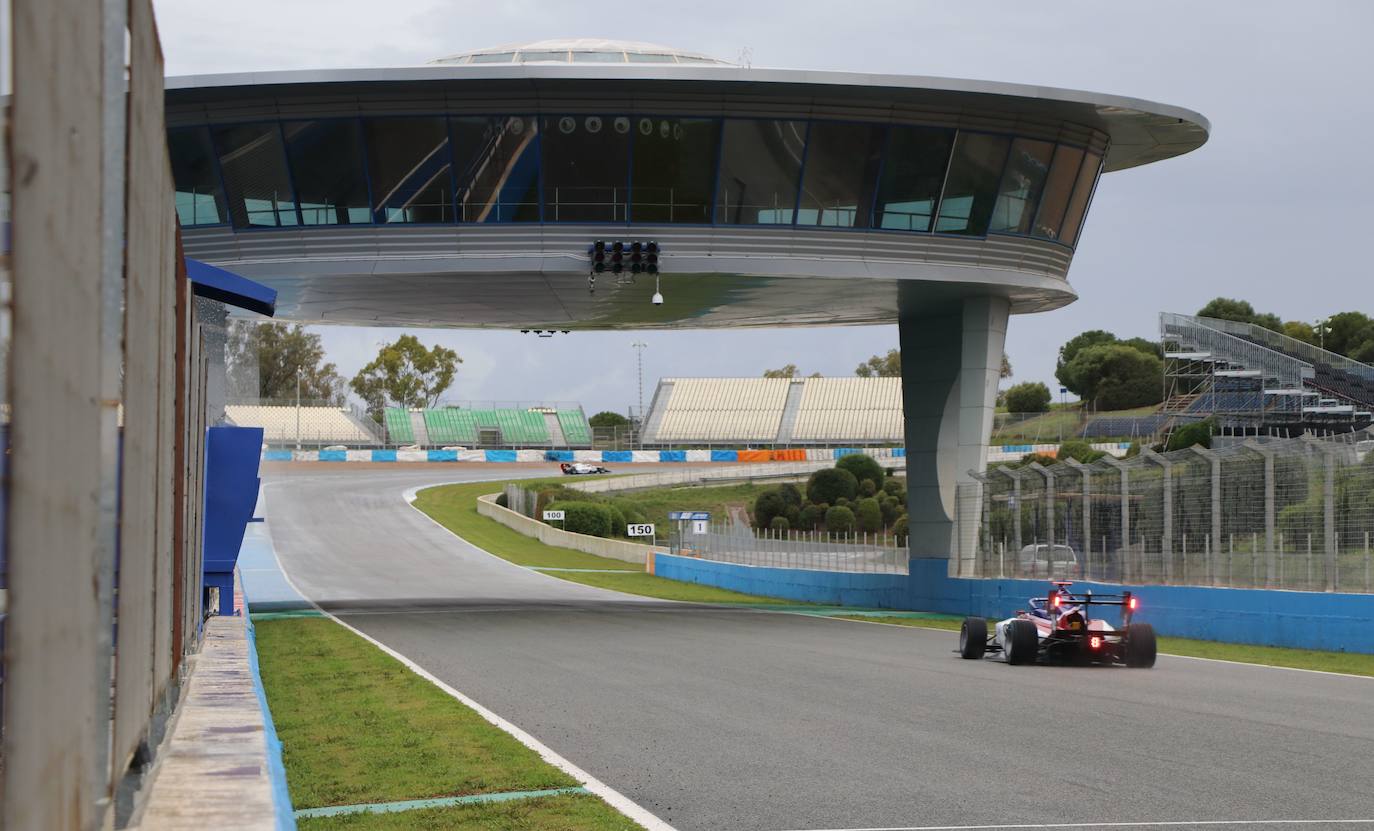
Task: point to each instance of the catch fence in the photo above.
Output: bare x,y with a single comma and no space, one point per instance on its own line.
813,550
1282,514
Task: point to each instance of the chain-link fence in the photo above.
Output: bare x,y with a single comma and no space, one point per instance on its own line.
814,550
1285,514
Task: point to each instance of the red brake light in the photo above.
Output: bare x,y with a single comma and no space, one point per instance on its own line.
1132,604
1058,601
1095,642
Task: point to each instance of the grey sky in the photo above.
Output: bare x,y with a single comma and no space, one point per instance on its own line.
1265,211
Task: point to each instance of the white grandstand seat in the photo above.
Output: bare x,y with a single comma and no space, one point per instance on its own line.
723,409
319,425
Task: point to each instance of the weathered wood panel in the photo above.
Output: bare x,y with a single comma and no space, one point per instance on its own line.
56,709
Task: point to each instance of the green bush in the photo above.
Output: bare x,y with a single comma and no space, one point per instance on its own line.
779,523
867,488
863,466
793,515
891,509
895,487
1190,434
842,502
768,505
839,520
899,530
868,516
812,516
501,500
1030,397
791,494
593,518
618,520
1079,451
830,485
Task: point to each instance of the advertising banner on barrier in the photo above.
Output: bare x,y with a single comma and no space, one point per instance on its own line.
644,456
617,456
672,455
698,456
333,455
724,456
586,455
472,455
358,455
501,456
529,455
412,456
442,455
558,455
384,455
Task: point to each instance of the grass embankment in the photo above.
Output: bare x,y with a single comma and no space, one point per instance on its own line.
1060,423
717,499
1274,656
358,727
455,508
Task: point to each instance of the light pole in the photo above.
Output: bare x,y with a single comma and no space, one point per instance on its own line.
298,408
1321,332
639,347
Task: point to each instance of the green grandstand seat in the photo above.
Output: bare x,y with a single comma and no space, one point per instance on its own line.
576,430
397,420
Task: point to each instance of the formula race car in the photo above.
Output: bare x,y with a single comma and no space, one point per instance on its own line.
1059,629
580,468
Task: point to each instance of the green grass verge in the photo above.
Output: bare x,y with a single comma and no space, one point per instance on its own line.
357,726
1346,662
455,508
571,812
717,499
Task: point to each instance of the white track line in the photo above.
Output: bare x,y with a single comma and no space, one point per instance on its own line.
614,798
1160,824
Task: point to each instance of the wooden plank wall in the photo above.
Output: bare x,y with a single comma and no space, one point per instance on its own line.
78,707
57,717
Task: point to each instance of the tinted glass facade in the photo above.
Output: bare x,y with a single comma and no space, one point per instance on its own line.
609,168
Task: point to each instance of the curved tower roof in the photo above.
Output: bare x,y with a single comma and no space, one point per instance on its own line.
579,50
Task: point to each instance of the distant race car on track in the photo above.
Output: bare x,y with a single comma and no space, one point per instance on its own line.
578,468
1060,629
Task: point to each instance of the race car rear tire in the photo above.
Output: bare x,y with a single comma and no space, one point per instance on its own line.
973,638
1023,642
1140,646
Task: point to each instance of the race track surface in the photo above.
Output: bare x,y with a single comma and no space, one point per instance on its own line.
717,718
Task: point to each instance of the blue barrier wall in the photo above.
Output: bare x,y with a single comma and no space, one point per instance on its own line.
558,456
672,455
442,455
333,455
884,591
617,456
276,455
724,456
384,455
501,455
1303,620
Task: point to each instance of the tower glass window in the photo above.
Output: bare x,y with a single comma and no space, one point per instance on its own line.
914,165
1022,181
327,166
674,165
496,162
971,186
841,172
760,169
199,199
1068,161
586,168
253,162
1082,192
411,169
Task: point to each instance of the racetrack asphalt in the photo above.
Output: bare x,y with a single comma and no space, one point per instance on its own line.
719,718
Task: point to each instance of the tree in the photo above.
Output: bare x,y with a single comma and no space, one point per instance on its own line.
1092,337
868,515
1070,373
1348,332
1225,308
768,505
1199,433
1029,397
839,520
606,418
864,467
263,359
881,366
1114,376
1006,367
1297,330
788,371
406,374
831,484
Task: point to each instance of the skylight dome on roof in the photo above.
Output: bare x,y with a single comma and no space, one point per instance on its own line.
582,51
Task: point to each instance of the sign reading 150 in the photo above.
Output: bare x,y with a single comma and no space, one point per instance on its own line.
639,529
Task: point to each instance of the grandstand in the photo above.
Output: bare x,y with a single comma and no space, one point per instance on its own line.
468,426
1247,377
775,411
317,425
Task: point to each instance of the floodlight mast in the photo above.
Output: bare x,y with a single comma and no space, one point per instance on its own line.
639,346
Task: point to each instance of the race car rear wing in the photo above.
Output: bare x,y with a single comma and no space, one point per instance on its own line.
1061,596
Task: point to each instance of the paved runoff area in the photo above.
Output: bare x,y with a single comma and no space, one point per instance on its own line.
718,718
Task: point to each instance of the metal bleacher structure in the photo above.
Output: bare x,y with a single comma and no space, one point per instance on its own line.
1252,379
285,424
488,426
775,411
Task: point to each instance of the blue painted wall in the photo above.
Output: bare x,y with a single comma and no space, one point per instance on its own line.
619,456
499,455
384,455
1305,620
442,455
333,455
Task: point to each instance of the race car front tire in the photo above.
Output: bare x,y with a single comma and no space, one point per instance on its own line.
1140,645
1023,642
973,638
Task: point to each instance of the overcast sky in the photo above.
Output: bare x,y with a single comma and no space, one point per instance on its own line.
1264,211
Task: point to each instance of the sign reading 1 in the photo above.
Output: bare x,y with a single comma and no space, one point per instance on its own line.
635,529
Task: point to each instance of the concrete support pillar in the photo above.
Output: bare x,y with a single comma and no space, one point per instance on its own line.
951,361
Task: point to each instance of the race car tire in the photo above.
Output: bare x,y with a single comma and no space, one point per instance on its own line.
1023,642
1140,646
973,638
